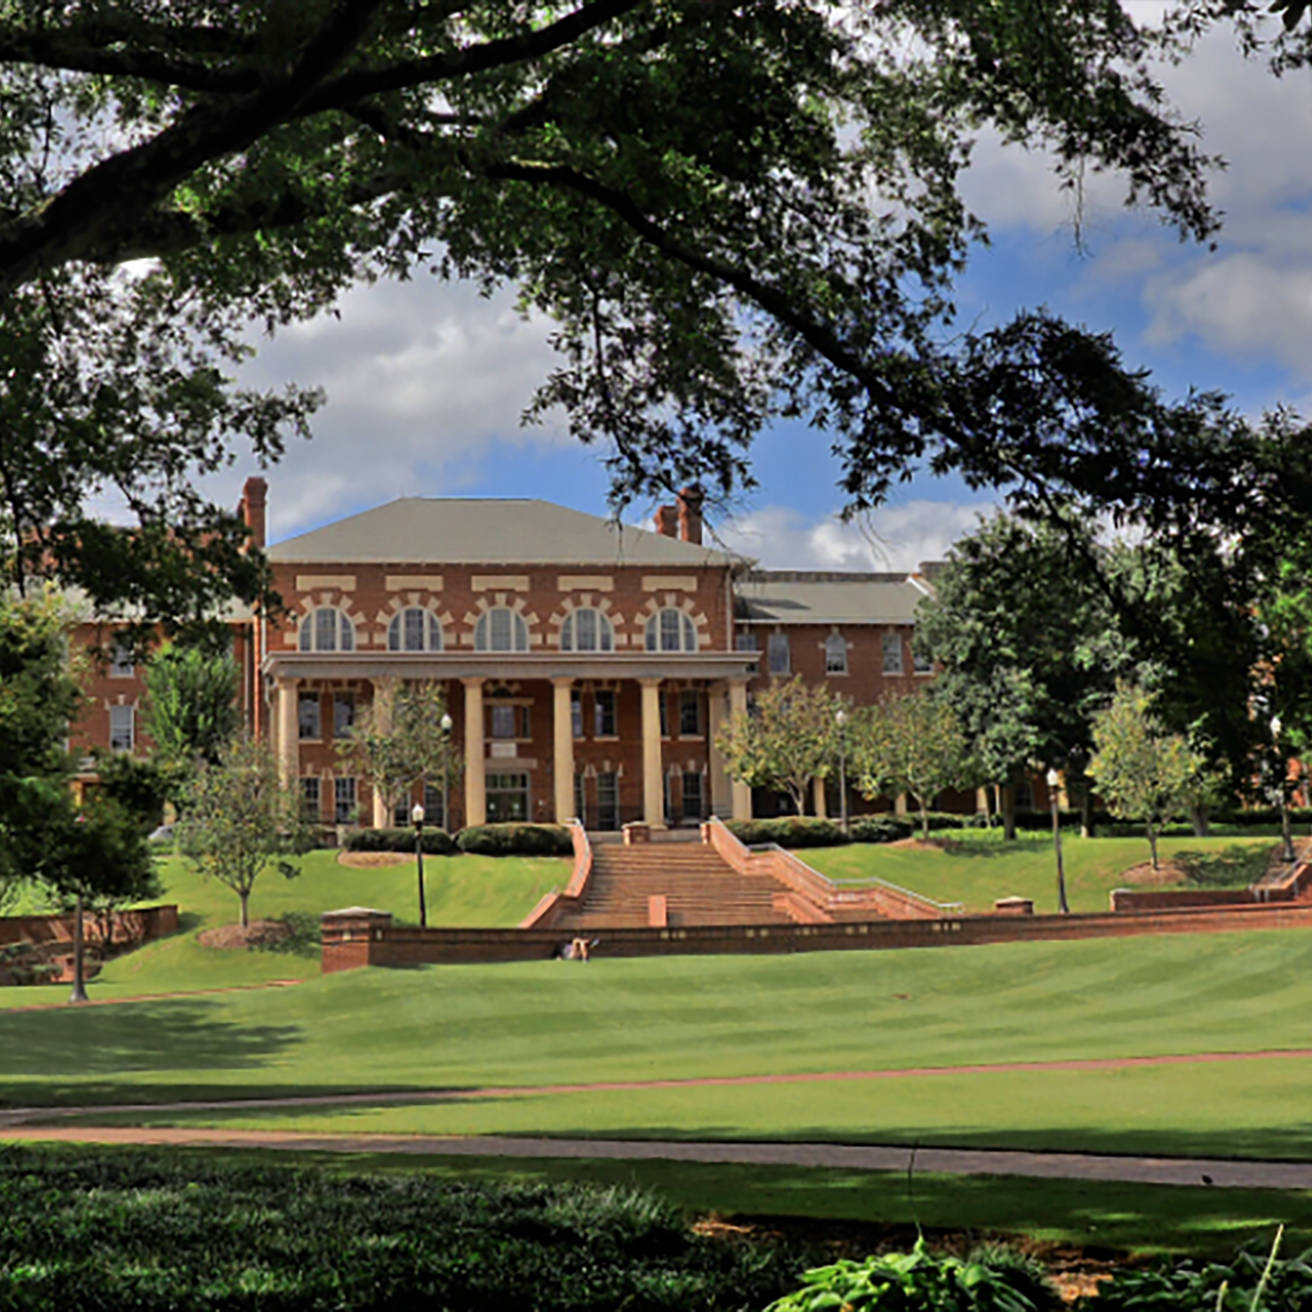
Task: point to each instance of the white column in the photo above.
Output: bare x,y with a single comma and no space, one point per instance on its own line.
719,776
287,721
900,804
563,757
742,794
653,791
818,787
475,768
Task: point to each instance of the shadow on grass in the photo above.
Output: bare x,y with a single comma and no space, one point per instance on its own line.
995,847
1236,866
188,923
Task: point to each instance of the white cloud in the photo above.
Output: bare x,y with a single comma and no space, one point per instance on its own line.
893,538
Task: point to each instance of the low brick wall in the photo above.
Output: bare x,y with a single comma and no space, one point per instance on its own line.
370,938
551,906
1146,899
138,926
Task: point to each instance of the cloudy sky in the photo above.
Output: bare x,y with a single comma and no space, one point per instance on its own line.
426,381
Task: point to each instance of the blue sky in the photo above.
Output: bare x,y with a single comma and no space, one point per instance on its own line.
425,381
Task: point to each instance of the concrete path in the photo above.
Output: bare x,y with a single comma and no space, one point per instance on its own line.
951,1161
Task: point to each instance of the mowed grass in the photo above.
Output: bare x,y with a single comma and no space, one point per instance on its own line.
462,891
545,1023
976,867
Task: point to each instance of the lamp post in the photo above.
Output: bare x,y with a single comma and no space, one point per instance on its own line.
1281,772
840,719
445,724
417,816
79,993
1054,780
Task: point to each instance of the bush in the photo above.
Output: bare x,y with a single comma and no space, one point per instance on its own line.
436,842
516,840
878,829
788,831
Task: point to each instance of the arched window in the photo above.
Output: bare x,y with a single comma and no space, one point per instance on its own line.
671,630
500,630
327,629
586,629
414,629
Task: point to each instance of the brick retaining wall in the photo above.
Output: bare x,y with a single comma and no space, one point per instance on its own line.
139,926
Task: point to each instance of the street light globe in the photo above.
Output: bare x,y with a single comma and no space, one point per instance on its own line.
446,722
1053,778
417,815
1276,725
840,717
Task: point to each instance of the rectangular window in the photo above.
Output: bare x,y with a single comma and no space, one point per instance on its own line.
343,714
434,811
122,728
504,721
401,814
921,663
120,661
892,648
745,641
310,715
692,796
780,660
690,713
344,801
507,797
310,799
608,800
603,713
835,654
576,713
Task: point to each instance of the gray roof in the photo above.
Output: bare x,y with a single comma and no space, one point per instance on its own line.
823,597
488,531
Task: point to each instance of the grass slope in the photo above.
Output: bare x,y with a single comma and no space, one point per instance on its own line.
979,868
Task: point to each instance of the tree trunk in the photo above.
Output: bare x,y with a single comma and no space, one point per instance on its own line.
1008,798
924,820
245,916
1286,829
1087,825
1152,841
1198,819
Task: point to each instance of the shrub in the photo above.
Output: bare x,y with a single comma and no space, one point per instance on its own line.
788,831
515,840
878,829
436,842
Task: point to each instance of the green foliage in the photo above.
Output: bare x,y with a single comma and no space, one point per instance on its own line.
788,831
191,707
910,743
101,1231
513,839
878,829
788,739
140,787
435,842
919,1281
240,817
1143,772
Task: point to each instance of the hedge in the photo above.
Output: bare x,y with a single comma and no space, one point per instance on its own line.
788,831
878,828
435,842
515,840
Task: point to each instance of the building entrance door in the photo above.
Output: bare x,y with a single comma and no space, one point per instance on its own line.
507,798
608,800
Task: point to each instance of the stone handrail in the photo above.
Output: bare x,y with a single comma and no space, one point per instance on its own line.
550,905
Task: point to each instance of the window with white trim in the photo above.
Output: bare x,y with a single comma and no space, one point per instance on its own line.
122,728
414,629
310,798
603,713
671,630
892,652
690,713
327,629
779,657
344,801
921,662
343,714
745,640
835,654
309,716
587,629
121,665
500,629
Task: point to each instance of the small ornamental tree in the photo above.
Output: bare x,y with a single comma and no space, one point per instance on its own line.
191,708
788,740
240,817
1140,770
398,741
911,743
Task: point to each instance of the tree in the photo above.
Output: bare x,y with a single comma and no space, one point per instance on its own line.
240,817
191,707
1141,770
683,185
910,743
398,740
1027,643
786,741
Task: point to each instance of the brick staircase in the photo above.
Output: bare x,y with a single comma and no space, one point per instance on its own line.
698,888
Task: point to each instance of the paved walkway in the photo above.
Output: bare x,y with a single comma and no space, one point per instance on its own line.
950,1161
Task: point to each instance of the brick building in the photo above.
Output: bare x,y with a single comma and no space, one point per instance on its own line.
587,666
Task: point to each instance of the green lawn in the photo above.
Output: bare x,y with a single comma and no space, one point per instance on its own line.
462,890
978,867
553,1022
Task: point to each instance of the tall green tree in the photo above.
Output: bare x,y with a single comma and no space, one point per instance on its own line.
240,818
786,741
684,186
1142,770
191,709
911,743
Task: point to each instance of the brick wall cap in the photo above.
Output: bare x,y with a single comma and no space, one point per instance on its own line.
357,913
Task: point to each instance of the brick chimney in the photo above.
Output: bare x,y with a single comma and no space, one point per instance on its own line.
254,495
667,521
690,514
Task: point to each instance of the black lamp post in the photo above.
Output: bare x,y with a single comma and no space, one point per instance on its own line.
417,816
1054,781
446,771
79,993
840,718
